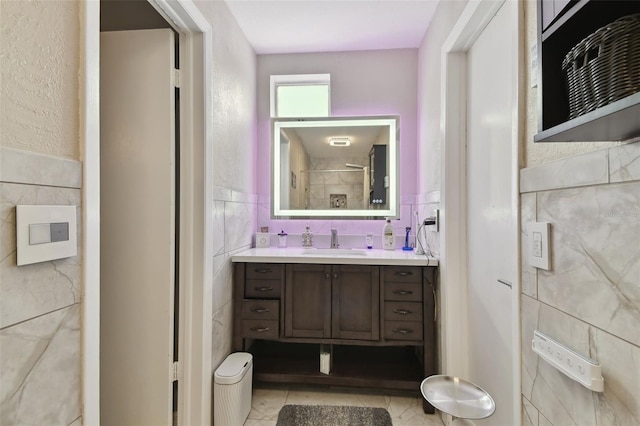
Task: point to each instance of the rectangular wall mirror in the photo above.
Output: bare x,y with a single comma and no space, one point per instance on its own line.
335,167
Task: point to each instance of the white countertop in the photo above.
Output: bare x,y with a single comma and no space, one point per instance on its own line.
334,256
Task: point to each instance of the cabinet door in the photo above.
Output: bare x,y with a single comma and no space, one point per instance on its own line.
356,302
308,301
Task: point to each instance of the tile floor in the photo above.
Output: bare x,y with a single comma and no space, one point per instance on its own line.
404,410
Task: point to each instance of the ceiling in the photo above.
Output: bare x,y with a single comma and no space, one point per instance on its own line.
296,26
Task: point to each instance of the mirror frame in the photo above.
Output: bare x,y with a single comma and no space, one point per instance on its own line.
278,124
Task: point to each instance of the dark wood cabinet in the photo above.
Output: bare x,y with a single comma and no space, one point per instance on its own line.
355,307
339,301
561,26
380,321
308,301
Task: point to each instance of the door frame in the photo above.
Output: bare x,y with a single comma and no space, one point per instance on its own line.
196,245
453,252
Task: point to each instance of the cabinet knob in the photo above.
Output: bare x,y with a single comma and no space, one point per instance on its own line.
263,288
403,330
260,310
335,275
327,276
403,292
402,311
259,329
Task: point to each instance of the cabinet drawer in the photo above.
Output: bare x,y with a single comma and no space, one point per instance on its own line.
262,289
410,292
402,274
403,330
264,271
403,311
260,309
260,329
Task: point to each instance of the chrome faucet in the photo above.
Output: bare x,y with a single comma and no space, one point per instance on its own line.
334,238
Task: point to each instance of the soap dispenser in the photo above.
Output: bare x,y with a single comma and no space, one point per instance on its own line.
387,236
307,237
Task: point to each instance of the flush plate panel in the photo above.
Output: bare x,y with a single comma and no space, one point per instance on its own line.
45,233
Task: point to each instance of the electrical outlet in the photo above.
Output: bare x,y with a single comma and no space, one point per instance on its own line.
581,369
433,222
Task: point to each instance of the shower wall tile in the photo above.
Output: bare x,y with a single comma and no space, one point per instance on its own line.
222,194
40,362
590,299
242,197
529,274
586,169
222,280
543,421
218,227
624,163
530,413
31,290
19,166
564,401
222,333
529,315
596,255
239,225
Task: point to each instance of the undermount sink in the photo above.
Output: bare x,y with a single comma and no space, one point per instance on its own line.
334,252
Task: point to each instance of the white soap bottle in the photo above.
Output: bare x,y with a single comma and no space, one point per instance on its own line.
387,236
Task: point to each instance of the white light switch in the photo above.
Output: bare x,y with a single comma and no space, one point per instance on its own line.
39,233
45,233
538,245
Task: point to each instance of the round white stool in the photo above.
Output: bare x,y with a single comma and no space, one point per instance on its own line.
457,397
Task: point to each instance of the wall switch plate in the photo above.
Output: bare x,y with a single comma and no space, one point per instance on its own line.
538,246
45,233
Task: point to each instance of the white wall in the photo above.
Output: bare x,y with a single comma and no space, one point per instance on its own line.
40,315
429,153
40,43
375,82
234,146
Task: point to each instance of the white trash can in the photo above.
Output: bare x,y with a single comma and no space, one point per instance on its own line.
232,390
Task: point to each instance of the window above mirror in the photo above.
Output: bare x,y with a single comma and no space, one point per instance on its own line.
335,167
300,95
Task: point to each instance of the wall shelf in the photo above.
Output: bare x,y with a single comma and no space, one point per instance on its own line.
556,37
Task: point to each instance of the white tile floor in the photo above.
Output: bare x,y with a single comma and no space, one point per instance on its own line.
404,410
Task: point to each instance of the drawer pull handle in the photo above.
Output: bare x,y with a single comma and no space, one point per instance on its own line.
263,288
260,310
403,330
404,273
262,270
403,292
259,329
402,311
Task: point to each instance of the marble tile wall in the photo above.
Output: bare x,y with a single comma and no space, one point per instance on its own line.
40,361
234,225
349,182
590,299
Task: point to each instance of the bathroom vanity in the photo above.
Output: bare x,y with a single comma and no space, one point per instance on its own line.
374,311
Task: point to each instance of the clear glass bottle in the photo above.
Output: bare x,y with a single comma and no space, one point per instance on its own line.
307,237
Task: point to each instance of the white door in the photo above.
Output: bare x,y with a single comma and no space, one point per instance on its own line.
137,222
491,216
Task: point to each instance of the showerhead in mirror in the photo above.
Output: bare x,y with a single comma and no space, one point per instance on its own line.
354,166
